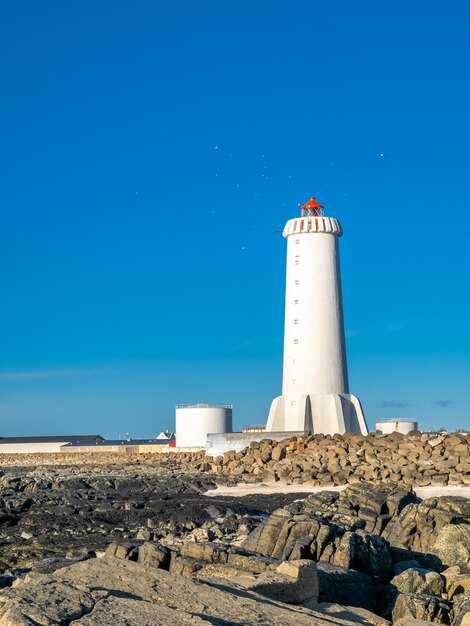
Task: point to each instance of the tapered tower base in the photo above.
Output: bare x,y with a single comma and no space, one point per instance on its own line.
326,413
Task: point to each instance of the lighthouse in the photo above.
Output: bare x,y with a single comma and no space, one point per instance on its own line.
315,389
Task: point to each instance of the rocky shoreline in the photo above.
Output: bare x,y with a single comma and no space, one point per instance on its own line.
417,459
126,540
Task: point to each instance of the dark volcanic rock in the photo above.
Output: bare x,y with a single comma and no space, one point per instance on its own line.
78,510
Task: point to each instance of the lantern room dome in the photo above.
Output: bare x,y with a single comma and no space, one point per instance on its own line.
312,207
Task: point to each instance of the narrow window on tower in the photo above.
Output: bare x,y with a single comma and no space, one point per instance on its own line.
296,262
293,403
296,282
296,302
297,241
296,321
294,381
296,341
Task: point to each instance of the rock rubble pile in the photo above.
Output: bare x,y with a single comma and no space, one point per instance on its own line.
416,459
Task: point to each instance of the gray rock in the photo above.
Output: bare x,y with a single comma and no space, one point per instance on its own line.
123,551
418,526
462,610
210,552
373,557
456,584
420,606
294,582
253,563
412,622
45,603
116,592
418,580
346,587
358,615
184,566
452,545
154,555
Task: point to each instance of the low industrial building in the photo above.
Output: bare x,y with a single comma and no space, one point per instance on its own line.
51,443
130,446
84,443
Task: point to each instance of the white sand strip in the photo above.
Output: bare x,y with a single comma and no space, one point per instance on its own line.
244,489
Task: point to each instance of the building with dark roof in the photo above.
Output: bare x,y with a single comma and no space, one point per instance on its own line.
46,443
122,445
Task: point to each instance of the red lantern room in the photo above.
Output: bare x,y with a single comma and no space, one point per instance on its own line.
312,208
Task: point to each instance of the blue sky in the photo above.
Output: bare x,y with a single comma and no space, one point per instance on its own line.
149,150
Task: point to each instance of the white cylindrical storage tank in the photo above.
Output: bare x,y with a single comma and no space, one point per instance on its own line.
195,421
396,425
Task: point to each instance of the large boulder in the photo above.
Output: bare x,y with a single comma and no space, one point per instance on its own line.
419,580
263,538
457,585
184,565
254,563
362,505
154,555
462,610
289,535
373,556
362,616
210,552
294,582
412,581
43,603
452,545
418,526
347,587
381,499
421,606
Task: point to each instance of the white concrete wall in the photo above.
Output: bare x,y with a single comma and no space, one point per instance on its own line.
30,448
219,443
194,423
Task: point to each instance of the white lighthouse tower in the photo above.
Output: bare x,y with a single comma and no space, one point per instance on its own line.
315,389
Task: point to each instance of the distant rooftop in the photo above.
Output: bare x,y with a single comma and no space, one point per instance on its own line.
165,434
121,442
82,439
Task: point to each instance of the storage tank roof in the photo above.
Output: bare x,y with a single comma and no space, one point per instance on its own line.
396,419
204,405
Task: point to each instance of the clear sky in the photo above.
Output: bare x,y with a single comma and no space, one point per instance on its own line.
150,153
